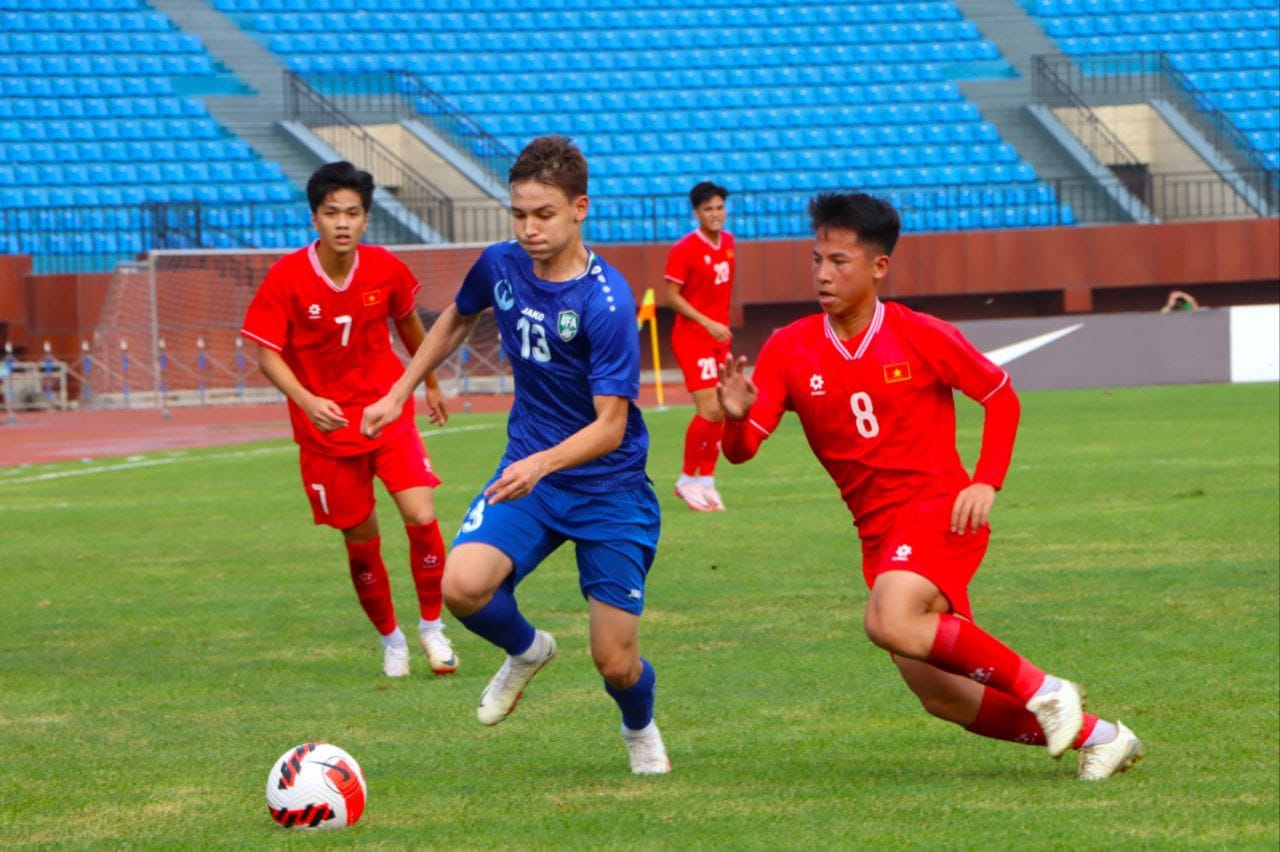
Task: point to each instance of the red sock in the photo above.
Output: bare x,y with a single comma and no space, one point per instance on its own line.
1001,717
692,447
962,647
369,576
710,446
426,561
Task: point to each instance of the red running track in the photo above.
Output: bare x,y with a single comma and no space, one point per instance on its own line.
39,438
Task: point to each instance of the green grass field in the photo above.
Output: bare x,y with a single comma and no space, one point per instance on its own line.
171,628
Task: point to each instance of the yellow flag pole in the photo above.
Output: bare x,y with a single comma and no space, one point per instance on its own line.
657,366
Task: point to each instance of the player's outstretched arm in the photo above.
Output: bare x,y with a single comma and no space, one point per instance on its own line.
599,437
972,508
325,414
446,335
412,333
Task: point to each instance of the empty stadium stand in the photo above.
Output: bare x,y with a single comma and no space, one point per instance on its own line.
102,141
782,99
1228,49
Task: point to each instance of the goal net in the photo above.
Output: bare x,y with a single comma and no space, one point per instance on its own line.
169,333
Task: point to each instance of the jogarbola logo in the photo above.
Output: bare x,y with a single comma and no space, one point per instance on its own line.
502,295
567,325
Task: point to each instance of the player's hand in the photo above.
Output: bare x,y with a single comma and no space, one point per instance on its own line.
437,409
972,508
517,480
382,413
735,391
325,414
719,331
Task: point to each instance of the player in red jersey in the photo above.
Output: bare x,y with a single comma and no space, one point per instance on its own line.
699,282
320,321
872,385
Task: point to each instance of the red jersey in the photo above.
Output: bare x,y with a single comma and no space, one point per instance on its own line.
878,410
705,275
336,341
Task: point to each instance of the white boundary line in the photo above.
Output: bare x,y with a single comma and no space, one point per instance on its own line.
134,462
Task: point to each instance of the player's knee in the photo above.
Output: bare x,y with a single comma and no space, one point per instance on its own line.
462,594
940,706
890,633
421,517
620,669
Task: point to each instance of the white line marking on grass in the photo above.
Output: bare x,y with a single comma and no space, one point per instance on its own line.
134,462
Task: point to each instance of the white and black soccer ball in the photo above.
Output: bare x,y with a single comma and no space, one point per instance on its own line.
316,785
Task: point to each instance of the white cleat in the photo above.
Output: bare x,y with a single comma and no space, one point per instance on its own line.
439,650
712,497
644,747
504,690
1060,714
692,494
395,661
1099,762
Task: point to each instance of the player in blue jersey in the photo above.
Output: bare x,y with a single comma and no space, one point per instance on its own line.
574,466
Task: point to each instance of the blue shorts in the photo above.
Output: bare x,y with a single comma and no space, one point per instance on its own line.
616,536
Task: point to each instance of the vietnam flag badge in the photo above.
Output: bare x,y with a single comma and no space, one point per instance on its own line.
371,297
900,372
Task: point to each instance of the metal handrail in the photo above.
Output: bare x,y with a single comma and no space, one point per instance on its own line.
313,109
1051,89
457,126
1153,74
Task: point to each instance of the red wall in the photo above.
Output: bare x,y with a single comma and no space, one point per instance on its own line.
956,274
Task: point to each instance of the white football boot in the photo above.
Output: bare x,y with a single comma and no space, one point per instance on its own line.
505,688
395,661
439,650
712,496
1060,714
645,749
1101,761
692,494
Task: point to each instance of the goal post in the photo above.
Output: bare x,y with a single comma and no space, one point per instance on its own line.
169,332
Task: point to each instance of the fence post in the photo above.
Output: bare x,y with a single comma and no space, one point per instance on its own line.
162,374
240,368
124,369
8,383
46,373
86,394
201,364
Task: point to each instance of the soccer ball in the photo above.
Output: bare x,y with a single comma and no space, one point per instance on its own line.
316,785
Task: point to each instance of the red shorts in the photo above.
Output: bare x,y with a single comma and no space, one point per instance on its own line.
699,356
921,542
340,488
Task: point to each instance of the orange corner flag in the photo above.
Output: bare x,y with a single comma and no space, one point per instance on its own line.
648,309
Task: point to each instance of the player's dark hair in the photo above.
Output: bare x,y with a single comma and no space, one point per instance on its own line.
873,219
555,161
705,191
339,175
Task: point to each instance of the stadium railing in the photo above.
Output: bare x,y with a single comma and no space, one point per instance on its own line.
406,95
1128,77
81,239
321,115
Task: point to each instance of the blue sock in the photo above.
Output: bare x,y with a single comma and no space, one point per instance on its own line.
500,622
636,701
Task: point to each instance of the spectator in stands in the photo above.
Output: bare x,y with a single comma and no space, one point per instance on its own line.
320,322
1180,301
699,284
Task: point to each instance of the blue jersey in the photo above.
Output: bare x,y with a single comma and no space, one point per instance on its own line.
567,341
